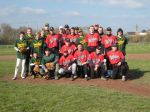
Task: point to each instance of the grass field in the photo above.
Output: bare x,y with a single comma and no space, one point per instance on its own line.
17,97
131,49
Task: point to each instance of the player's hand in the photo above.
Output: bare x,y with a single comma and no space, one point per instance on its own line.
119,64
46,70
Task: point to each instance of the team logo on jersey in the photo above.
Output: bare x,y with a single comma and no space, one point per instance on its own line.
109,41
21,45
92,39
38,44
114,57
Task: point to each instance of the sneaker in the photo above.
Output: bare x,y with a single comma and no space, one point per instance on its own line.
123,78
23,77
72,78
56,77
87,78
103,78
14,78
33,76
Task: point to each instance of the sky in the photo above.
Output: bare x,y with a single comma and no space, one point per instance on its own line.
107,13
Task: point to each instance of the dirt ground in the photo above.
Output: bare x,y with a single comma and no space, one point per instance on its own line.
127,86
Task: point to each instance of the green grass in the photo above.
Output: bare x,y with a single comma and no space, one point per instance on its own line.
138,48
16,97
131,49
67,98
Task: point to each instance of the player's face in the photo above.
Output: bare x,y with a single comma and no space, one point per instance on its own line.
100,30
98,51
108,32
46,28
51,32
80,33
120,33
29,31
96,27
47,53
114,48
67,43
91,30
21,36
61,31
80,48
72,31
35,55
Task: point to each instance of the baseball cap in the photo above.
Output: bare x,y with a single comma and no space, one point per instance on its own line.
66,26
99,48
96,25
47,49
67,40
46,24
60,27
114,45
51,28
108,29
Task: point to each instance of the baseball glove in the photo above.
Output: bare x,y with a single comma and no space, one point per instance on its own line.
36,69
22,50
50,66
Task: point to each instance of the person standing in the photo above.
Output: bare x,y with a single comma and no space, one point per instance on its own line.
21,46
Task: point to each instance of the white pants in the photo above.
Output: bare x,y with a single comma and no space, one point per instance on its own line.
17,67
72,69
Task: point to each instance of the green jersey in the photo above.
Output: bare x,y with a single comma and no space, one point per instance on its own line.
38,46
21,44
29,38
122,41
80,40
36,61
50,58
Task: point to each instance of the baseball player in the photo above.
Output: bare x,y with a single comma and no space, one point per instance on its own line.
29,37
92,39
38,45
96,62
118,64
35,65
81,57
108,40
53,41
72,36
68,46
122,41
67,65
21,46
81,40
50,64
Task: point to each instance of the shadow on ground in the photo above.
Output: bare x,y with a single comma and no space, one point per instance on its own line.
136,74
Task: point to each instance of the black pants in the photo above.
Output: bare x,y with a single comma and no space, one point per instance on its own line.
119,71
91,49
96,74
55,50
82,70
27,70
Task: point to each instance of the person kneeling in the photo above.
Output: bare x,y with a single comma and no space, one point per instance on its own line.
67,65
81,56
35,65
118,64
96,62
49,62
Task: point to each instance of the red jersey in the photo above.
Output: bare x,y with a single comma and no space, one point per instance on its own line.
81,56
92,39
96,59
52,41
64,61
115,57
70,49
108,41
62,37
72,38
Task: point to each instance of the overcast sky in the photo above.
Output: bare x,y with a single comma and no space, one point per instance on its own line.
113,13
